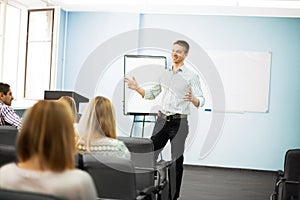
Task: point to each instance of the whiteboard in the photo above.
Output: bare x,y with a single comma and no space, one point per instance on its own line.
246,79
146,69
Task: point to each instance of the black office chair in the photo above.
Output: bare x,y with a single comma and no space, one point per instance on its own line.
8,135
22,195
287,186
7,154
114,177
148,171
78,161
142,156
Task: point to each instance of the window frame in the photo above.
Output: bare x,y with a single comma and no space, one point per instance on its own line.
51,48
19,100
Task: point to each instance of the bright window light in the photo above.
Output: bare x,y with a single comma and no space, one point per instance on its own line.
11,46
194,3
149,2
242,3
269,4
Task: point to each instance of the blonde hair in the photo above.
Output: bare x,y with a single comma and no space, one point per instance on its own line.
97,120
71,102
48,133
106,116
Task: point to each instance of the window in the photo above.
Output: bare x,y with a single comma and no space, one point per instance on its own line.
38,53
28,62
2,18
11,47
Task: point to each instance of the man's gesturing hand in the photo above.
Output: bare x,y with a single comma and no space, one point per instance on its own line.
190,97
131,83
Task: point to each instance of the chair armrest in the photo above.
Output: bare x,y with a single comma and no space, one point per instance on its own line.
145,193
163,163
279,174
282,180
159,185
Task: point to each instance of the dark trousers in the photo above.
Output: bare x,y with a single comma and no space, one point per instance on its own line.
176,131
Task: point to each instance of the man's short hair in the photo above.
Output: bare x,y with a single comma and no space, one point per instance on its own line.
183,44
4,88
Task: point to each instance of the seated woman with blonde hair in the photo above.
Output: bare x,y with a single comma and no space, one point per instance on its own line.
71,102
97,129
45,150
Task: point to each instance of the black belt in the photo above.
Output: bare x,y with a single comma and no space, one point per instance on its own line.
171,117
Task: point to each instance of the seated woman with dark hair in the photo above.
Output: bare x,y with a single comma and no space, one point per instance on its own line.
97,130
45,150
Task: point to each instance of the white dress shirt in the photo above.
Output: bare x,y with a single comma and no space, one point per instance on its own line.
174,85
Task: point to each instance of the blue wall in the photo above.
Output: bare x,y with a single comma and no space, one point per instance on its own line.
61,48
249,140
86,31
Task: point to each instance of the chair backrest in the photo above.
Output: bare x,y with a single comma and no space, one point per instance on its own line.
292,165
7,154
142,156
22,195
291,173
113,177
78,161
142,151
8,135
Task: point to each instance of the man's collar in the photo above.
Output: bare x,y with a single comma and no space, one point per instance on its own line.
182,68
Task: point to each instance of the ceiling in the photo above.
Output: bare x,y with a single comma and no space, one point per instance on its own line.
281,8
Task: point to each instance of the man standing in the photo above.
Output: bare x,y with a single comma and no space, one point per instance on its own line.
181,87
7,115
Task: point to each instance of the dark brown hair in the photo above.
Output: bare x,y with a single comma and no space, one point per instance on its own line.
4,88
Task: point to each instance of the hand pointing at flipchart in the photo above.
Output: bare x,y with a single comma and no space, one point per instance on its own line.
132,84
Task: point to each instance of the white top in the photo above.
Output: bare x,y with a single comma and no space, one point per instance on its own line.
70,184
175,86
107,147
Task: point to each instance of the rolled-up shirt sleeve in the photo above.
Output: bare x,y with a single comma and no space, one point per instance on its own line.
153,92
197,91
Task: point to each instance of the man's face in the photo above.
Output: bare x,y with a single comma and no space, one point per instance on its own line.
178,53
7,99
